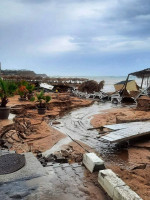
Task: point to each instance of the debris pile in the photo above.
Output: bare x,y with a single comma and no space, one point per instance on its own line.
143,103
17,132
67,155
91,86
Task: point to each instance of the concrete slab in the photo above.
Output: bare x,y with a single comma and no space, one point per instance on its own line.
32,189
126,125
125,193
32,182
93,162
115,187
108,180
32,169
57,147
127,131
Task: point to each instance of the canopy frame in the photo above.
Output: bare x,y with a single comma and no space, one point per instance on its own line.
139,74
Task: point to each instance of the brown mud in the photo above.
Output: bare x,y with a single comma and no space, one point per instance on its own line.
32,132
133,162
29,131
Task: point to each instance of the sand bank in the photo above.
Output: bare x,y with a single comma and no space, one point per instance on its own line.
30,131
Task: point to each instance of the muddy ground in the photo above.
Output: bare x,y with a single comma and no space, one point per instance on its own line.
134,161
30,131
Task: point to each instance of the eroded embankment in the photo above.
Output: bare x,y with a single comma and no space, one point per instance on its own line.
29,130
132,163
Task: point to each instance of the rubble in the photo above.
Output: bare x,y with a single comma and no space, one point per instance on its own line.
93,162
133,163
143,103
31,132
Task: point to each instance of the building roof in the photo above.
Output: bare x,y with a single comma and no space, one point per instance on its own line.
141,74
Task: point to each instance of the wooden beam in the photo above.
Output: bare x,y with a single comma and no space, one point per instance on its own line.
125,85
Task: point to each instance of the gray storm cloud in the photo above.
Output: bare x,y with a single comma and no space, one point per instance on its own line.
41,33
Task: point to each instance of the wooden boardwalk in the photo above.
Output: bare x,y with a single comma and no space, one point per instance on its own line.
126,131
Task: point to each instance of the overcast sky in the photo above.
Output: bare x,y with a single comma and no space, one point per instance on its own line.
75,37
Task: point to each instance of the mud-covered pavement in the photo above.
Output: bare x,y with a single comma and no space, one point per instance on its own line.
76,124
132,162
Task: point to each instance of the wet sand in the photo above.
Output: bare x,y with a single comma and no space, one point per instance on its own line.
131,163
29,130
72,130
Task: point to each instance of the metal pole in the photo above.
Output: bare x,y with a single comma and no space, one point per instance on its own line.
126,82
125,85
142,81
147,81
0,69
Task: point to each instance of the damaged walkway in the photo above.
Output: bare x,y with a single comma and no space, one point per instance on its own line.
55,182
126,131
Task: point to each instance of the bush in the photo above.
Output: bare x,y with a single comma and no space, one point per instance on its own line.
91,86
42,99
7,89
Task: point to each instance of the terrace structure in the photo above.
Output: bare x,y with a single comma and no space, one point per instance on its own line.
143,74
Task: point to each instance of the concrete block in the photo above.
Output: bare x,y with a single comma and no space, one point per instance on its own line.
108,180
125,193
29,189
115,187
93,162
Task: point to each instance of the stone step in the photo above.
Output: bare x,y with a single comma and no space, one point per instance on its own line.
115,187
93,162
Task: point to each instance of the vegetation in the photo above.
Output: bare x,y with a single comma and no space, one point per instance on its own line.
30,88
7,89
42,99
25,88
22,91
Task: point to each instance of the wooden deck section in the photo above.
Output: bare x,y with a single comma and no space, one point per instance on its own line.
126,131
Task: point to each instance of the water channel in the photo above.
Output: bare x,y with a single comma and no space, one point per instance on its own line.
76,124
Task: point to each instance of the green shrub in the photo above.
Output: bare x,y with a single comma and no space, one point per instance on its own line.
41,99
7,89
30,88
